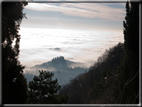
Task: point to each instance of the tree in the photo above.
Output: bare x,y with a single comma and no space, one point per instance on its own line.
14,85
129,86
43,90
97,86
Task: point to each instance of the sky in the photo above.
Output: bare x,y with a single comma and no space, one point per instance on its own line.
85,16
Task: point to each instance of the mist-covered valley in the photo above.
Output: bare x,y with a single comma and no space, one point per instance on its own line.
63,69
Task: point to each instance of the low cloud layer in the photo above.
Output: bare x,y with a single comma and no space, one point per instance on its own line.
37,46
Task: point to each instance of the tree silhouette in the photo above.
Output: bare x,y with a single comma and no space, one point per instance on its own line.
14,85
43,90
92,87
129,85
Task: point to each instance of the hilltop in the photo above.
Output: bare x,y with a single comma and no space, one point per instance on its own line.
62,68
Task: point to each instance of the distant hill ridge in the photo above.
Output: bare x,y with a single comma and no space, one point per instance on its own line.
63,69
60,63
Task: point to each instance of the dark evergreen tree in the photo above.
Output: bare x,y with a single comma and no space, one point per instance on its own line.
43,90
14,85
129,85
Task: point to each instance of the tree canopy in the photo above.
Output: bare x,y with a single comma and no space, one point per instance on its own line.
43,90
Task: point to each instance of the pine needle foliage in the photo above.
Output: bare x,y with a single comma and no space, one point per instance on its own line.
43,90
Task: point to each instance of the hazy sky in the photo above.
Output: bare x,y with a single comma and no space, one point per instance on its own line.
87,16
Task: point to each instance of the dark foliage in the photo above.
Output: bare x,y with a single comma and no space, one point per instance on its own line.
14,85
43,90
98,81
129,69
114,78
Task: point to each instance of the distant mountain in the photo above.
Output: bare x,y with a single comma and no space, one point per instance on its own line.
63,69
60,64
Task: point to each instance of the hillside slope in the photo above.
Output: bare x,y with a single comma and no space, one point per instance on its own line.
98,85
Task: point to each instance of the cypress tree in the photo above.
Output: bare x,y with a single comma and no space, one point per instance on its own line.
14,85
129,85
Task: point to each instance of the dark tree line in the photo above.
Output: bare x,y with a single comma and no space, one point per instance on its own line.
14,85
129,70
98,85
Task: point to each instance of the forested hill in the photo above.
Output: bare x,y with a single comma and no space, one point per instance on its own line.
60,64
114,79
98,85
